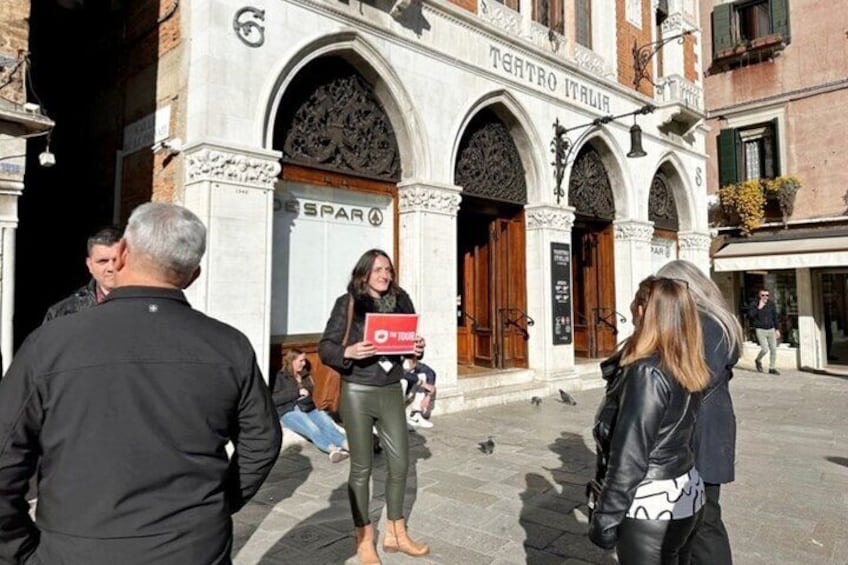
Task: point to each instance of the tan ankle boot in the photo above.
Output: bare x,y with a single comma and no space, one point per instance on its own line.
366,551
396,539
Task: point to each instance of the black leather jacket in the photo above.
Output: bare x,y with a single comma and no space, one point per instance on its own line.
651,439
362,371
83,298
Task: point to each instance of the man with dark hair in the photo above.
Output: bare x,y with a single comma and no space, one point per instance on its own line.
131,406
102,253
763,316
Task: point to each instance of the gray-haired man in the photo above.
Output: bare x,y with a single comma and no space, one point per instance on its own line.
130,406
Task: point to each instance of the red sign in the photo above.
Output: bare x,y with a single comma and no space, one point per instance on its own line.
391,334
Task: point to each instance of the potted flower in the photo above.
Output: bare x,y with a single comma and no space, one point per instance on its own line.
744,202
784,188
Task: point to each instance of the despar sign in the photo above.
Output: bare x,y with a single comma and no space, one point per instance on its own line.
391,334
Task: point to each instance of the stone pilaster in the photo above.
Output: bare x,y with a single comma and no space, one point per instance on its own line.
546,224
632,264
231,189
812,351
695,247
427,265
10,192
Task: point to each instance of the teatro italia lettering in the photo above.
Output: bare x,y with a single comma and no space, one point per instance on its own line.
542,77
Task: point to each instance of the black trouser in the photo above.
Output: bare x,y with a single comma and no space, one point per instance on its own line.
362,407
656,542
711,545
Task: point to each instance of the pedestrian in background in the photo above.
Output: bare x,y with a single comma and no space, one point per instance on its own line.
651,499
715,430
371,396
130,406
102,252
297,411
763,315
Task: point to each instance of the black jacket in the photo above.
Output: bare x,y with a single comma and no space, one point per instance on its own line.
83,298
362,371
764,318
651,439
715,433
130,406
287,392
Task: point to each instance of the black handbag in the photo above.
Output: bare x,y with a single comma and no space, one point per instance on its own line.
305,403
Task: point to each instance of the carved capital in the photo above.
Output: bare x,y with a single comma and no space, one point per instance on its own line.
634,231
216,164
694,240
549,217
418,197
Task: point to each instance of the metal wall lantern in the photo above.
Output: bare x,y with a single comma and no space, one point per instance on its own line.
562,147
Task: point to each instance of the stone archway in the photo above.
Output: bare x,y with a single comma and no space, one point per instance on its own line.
492,326
593,262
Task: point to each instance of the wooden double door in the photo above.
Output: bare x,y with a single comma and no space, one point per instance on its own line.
492,324
593,287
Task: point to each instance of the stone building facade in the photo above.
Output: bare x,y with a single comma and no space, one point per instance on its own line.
304,132
777,96
18,122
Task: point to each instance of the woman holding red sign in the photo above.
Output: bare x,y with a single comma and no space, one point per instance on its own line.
371,396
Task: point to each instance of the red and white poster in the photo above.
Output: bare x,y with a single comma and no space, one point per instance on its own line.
391,334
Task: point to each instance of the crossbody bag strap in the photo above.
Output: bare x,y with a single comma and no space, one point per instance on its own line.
349,319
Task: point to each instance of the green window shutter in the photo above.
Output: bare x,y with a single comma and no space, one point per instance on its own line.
775,135
722,23
728,157
779,10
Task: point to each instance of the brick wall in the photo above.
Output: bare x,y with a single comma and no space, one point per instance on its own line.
14,32
627,35
690,58
470,5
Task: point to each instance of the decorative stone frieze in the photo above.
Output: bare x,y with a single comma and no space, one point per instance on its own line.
549,217
505,18
634,231
693,241
220,165
429,198
589,60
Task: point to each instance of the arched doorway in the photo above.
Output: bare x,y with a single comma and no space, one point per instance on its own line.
492,324
662,211
336,199
593,264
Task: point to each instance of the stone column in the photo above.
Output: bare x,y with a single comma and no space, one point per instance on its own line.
427,265
695,247
546,224
812,346
632,264
10,191
231,189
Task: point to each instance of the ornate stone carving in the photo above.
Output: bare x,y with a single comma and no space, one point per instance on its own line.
501,16
549,218
589,60
423,198
662,210
634,231
589,189
694,240
337,123
217,165
488,164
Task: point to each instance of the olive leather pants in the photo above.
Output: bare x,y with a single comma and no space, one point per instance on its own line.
361,408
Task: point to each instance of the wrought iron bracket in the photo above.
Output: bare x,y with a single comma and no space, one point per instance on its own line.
563,148
247,23
642,55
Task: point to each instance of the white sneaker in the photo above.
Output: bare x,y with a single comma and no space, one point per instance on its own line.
338,455
418,420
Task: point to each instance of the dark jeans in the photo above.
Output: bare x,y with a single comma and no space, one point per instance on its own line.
656,542
711,545
362,407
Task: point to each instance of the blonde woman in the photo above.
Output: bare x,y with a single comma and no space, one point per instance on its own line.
652,495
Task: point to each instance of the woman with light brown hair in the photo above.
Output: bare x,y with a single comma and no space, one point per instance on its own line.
651,496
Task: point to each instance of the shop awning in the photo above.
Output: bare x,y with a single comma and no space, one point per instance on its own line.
786,254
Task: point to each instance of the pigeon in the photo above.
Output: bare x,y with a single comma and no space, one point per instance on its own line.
487,446
535,401
567,398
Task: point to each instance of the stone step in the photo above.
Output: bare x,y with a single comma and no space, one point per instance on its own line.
494,379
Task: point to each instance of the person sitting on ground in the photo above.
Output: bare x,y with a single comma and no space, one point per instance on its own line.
419,388
296,409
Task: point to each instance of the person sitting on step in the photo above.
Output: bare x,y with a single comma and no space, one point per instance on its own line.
419,387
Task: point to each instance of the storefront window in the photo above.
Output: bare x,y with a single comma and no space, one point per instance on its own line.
781,285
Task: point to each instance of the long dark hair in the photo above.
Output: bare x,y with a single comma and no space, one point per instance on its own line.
358,285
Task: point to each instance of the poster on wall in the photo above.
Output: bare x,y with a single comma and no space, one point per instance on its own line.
561,292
